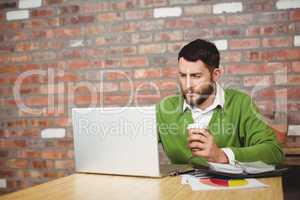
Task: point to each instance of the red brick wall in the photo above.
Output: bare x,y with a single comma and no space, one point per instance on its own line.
68,54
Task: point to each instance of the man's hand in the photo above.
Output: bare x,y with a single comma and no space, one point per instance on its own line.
201,142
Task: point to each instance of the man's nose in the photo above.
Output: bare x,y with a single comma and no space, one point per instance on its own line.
188,81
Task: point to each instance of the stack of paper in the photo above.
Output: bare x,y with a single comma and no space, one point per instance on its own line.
204,182
242,167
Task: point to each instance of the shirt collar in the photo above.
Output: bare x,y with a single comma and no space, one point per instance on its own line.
218,101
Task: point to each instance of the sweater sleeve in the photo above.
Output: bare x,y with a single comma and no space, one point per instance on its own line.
259,142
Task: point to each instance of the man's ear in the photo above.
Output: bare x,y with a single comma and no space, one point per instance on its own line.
216,74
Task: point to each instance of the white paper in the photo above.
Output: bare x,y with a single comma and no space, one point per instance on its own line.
196,185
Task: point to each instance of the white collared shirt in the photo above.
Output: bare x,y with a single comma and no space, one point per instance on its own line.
202,118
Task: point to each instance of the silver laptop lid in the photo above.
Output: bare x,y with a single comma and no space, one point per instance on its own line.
116,140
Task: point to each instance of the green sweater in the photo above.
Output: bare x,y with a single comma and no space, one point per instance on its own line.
238,125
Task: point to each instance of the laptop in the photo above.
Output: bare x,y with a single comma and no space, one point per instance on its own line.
118,140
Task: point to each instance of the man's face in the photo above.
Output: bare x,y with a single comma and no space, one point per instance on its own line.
195,81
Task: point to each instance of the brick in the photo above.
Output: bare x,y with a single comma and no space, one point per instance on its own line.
85,100
137,38
30,3
272,16
170,72
244,43
148,25
22,133
168,36
35,174
257,68
293,93
6,173
258,6
43,12
152,49
8,5
146,99
9,69
52,2
153,3
42,56
239,19
117,75
117,100
295,15
25,46
92,29
197,10
204,33
179,23
6,91
281,55
138,14
48,34
67,32
53,174
95,53
42,164
26,153
110,17
95,7
293,79
277,42
80,19
147,73
125,27
294,118
269,93
109,87
70,9
293,106
17,15
287,4
125,5
17,163
134,62
12,144
296,66
6,48
243,69
227,8
52,154
169,85
180,2
250,81
66,77
121,51
64,164
175,47
209,21
36,101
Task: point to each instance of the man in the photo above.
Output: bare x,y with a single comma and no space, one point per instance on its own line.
228,125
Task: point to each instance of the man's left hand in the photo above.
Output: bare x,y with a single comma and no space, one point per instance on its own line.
202,144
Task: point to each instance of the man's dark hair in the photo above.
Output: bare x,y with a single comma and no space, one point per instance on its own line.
202,50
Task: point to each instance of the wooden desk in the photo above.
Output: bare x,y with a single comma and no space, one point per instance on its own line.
90,186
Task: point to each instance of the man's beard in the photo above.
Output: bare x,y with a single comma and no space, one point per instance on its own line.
202,96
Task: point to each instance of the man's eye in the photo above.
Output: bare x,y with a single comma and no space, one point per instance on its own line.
196,76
